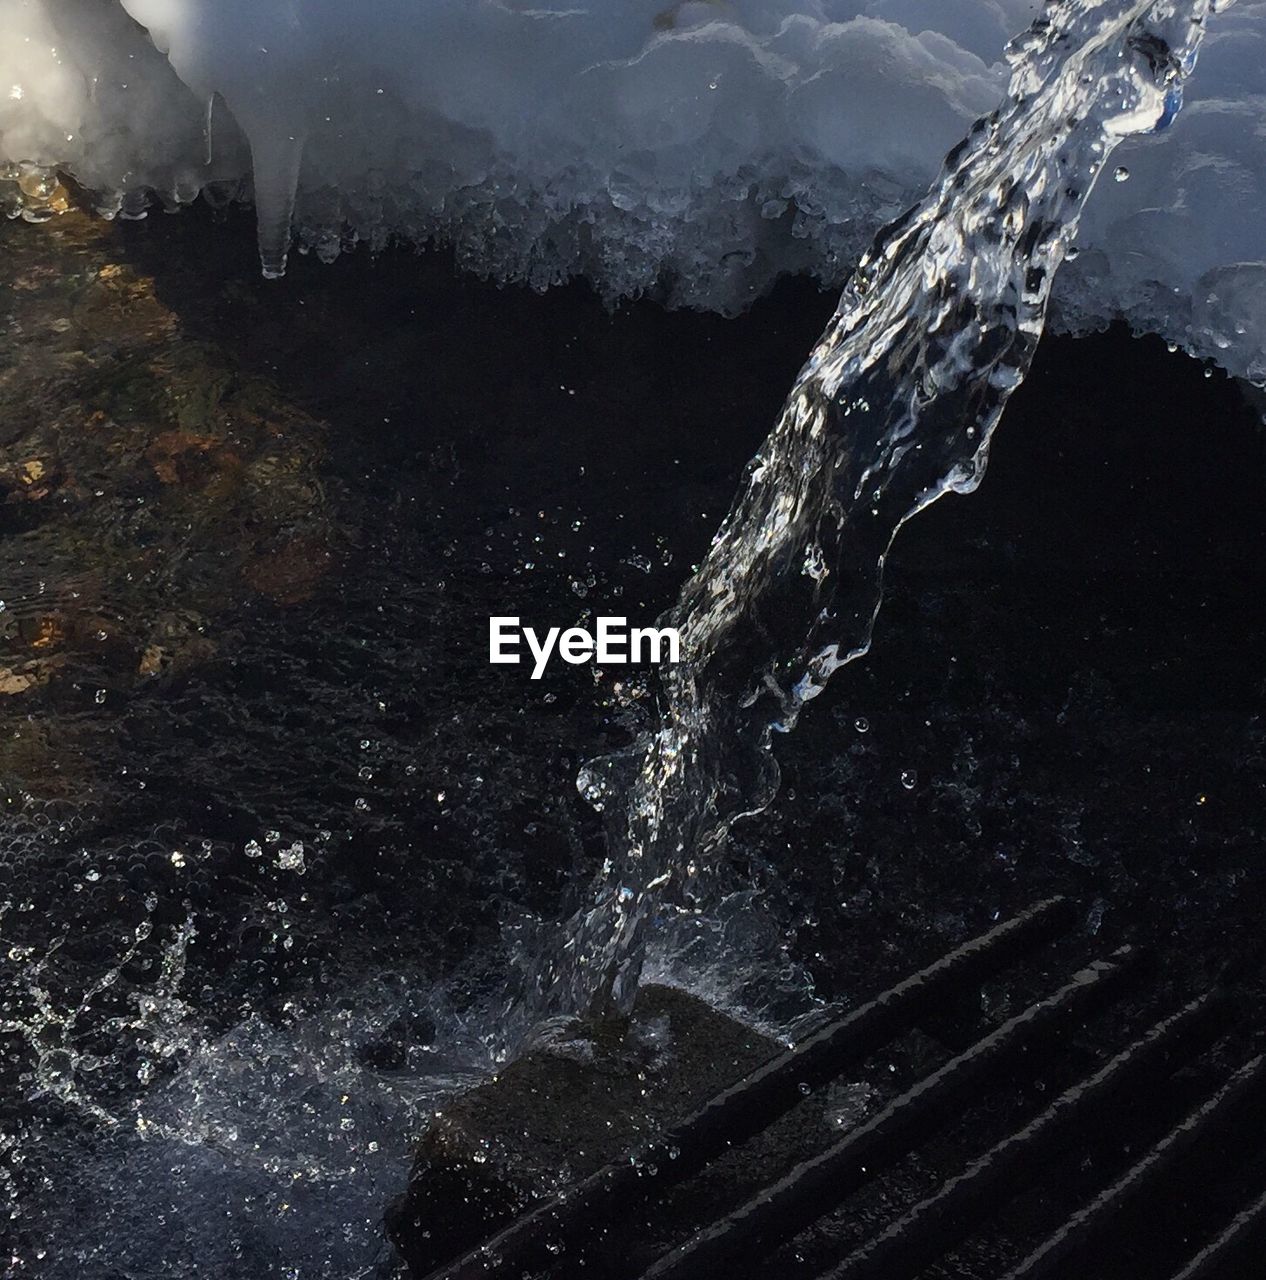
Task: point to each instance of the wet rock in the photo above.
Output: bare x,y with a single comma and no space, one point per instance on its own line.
15,681
288,575
562,1111
29,479
179,457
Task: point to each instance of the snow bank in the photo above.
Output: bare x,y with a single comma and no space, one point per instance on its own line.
694,150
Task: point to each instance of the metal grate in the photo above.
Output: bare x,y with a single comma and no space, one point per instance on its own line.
912,1186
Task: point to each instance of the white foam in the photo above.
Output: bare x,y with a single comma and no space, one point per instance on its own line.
695,150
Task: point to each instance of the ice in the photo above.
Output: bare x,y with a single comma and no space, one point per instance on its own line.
693,150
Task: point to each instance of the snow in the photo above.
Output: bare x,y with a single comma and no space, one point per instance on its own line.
694,151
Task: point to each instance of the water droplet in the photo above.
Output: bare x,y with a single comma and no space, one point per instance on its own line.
1120,174
909,779
592,786
815,563
291,859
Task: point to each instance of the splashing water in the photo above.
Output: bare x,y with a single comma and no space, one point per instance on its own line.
284,1121
894,408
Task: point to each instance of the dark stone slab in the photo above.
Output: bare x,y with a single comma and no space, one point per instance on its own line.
561,1112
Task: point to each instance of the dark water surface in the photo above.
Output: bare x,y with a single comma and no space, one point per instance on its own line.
270,821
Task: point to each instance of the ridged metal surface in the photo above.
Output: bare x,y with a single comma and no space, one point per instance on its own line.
818,1185
1157,1101
754,1103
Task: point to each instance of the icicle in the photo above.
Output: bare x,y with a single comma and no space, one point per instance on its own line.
258,57
276,154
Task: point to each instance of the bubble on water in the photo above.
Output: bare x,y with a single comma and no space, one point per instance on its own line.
909,779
